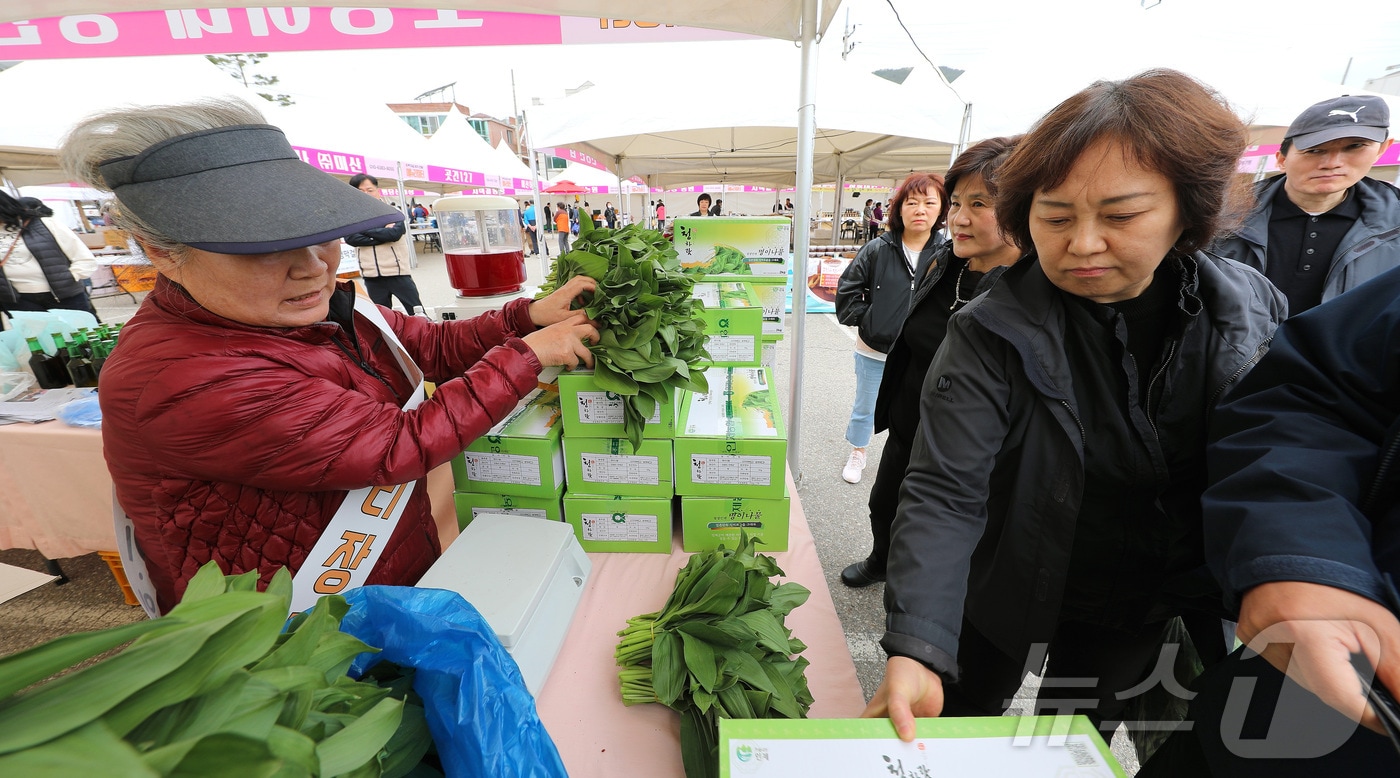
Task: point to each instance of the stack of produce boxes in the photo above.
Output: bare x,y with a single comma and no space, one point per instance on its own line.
618,498
731,450
753,249
517,468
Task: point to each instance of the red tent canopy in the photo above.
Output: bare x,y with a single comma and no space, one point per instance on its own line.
566,187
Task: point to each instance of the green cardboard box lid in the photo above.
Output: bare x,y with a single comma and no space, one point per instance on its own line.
536,416
742,403
1023,746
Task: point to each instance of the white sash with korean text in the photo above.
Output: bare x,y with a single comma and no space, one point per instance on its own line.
352,543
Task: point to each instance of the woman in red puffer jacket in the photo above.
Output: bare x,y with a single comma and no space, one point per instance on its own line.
251,394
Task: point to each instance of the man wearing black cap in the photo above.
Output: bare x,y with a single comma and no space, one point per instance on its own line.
1324,226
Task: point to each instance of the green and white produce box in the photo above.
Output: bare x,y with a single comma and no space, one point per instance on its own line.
609,466
707,522
733,322
591,412
772,295
1023,746
521,456
471,504
734,245
627,524
731,441
768,356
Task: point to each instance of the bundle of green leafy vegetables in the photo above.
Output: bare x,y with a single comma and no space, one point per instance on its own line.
213,688
651,335
718,649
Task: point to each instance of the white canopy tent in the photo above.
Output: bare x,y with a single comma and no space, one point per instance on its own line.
457,144
711,132
801,21
35,119
510,163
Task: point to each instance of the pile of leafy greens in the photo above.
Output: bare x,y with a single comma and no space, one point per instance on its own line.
215,687
651,335
718,649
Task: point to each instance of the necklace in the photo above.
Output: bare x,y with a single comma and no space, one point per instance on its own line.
957,291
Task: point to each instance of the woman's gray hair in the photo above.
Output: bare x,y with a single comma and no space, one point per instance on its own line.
126,132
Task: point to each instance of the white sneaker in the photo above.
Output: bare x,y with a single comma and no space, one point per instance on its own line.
855,465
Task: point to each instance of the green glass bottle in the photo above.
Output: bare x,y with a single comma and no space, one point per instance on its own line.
80,367
80,338
99,357
62,348
48,371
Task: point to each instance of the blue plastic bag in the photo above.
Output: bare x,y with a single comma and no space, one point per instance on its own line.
482,718
82,413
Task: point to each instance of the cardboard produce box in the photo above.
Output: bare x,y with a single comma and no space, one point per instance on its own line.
731,441
734,245
768,357
733,322
591,412
707,522
629,524
471,505
609,466
773,296
520,456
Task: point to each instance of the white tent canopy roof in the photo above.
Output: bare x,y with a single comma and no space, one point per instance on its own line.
770,18
27,144
583,175
510,163
708,131
457,144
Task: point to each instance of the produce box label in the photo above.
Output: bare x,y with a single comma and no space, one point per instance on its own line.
503,468
535,416
620,469
606,408
731,469
534,513
1023,746
734,245
471,505
619,526
731,348
741,403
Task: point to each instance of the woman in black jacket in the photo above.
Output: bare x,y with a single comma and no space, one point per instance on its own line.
1052,501
874,293
961,267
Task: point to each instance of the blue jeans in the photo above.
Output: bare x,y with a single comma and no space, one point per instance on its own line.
862,424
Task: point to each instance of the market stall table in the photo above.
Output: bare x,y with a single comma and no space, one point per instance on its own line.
581,704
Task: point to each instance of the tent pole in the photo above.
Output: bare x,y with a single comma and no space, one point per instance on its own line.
836,209
801,219
408,217
541,240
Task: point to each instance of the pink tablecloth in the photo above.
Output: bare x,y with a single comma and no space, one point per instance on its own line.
581,705
56,496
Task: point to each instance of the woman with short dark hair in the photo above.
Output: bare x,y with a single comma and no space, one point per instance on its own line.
874,293
42,263
1053,492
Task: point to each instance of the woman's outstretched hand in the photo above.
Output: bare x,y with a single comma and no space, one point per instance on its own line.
564,342
559,304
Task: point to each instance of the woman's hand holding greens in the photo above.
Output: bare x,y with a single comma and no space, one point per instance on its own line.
563,302
564,342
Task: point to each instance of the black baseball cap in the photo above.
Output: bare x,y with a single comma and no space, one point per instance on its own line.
239,190
1365,116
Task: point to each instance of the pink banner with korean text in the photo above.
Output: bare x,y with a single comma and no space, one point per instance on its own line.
225,30
574,155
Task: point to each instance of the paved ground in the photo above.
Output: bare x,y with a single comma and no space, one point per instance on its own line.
835,509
